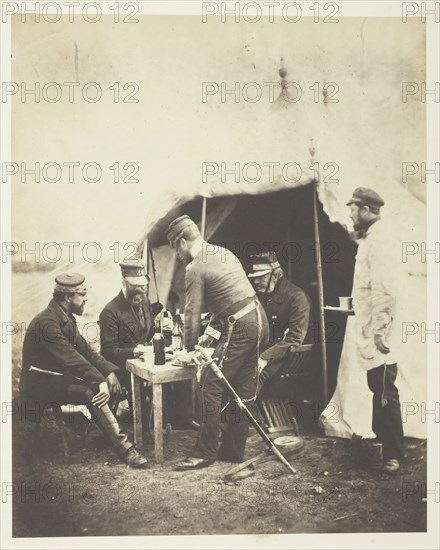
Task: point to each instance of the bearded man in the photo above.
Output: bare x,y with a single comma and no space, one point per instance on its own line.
127,321
374,302
59,366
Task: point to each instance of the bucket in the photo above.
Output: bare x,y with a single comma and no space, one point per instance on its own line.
288,444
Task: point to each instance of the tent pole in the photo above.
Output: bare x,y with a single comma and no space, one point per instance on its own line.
203,218
289,240
322,338
146,257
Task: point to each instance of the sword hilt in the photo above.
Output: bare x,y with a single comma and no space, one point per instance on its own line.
217,370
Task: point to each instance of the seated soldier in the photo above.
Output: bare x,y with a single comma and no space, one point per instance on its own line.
288,312
127,320
59,366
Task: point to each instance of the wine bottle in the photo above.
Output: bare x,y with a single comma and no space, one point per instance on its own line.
167,327
177,334
158,343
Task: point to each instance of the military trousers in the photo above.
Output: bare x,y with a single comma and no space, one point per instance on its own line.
387,417
239,367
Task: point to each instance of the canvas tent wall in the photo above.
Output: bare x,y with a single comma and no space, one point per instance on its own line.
168,129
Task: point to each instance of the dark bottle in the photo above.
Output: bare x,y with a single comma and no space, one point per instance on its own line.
158,344
177,335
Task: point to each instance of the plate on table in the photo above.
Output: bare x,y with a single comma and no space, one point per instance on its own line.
177,363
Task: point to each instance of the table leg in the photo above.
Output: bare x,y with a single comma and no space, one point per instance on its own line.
194,399
158,433
136,384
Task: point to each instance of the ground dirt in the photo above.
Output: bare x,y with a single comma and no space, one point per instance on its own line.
90,492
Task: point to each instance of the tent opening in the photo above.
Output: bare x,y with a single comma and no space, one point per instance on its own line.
280,221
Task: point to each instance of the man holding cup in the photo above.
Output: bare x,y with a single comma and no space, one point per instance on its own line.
374,301
126,325
127,321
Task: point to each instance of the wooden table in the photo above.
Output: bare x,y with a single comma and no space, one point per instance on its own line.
156,376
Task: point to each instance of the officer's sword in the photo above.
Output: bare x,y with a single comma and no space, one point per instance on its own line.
218,372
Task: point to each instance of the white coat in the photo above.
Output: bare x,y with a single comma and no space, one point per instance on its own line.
376,279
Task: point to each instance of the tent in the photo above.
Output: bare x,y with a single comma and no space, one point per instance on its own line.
188,137
283,221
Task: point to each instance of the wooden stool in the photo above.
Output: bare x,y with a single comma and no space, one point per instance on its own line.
54,410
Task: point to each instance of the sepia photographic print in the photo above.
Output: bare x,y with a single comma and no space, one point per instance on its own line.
220,265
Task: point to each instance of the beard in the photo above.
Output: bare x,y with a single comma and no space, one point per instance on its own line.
360,224
78,310
136,298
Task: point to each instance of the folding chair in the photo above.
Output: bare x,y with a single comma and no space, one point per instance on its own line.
276,400
278,408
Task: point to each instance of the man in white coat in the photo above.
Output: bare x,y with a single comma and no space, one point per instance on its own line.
374,300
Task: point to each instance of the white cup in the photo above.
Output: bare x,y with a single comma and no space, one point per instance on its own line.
345,302
148,356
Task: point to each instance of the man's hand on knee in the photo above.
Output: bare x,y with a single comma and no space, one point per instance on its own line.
102,397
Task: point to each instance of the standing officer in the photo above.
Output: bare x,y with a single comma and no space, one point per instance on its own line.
287,308
215,277
60,367
374,302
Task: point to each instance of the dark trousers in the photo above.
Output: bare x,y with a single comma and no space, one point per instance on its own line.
240,369
44,389
387,418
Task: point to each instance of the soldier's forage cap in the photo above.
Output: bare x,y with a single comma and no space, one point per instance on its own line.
263,263
177,227
134,272
70,283
366,197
